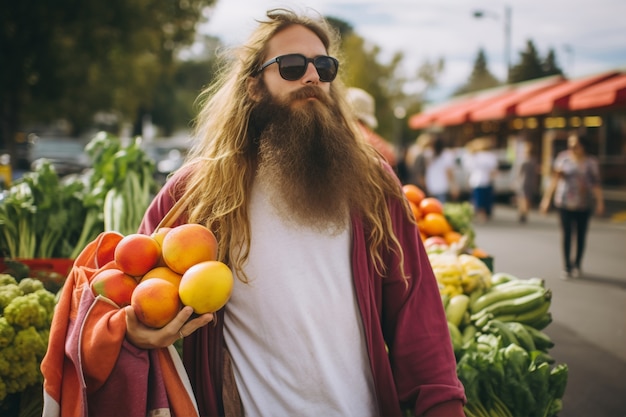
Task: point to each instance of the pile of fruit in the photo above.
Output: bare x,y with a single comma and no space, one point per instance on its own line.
157,274
443,224
496,320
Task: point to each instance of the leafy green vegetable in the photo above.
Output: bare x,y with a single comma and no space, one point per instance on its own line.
461,216
44,216
508,381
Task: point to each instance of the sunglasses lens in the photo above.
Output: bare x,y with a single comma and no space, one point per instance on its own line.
326,68
292,67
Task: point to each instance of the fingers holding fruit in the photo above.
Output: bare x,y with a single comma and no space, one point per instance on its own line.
162,279
146,337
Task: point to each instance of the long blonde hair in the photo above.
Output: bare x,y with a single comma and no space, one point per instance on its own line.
223,160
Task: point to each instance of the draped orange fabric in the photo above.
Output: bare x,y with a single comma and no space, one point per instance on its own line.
89,362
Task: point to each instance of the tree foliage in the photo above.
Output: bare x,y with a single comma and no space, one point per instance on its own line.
532,66
363,67
481,78
74,58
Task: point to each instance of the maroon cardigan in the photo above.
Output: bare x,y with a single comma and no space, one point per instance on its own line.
419,371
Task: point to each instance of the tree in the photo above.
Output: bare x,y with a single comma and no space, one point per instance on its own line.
550,66
481,78
362,68
175,104
532,66
73,58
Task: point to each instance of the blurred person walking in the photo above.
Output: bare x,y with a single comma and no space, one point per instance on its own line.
575,185
416,159
482,164
439,170
527,182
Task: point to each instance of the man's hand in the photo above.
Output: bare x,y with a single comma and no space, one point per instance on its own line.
145,337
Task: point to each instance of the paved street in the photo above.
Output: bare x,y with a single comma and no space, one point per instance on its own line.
589,314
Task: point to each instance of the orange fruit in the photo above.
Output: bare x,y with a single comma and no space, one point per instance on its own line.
136,254
434,224
413,193
452,237
159,234
416,210
206,286
187,245
115,285
479,253
431,205
155,302
163,272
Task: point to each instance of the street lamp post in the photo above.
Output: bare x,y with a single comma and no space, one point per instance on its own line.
507,34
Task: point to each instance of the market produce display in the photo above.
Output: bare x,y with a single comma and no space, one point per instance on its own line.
26,309
45,216
496,322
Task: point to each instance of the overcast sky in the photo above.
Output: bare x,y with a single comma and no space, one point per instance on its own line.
588,36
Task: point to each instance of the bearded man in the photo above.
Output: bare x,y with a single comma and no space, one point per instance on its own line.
335,310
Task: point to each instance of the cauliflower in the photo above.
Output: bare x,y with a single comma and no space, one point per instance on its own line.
7,279
28,285
27,310
7,333
8,292
21,373
48,300
30,344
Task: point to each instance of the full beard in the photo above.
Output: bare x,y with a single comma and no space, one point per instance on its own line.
309,158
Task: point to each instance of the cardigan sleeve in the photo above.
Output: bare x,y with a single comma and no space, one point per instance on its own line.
415,325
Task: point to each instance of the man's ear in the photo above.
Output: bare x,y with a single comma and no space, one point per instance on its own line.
252,86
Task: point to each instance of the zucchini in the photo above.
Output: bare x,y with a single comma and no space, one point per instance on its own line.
456,308
455,337
502,277
531,317
519,304
498,294
540,282
469,332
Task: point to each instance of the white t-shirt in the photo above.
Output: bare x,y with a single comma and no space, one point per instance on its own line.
295,332
481,165
437,181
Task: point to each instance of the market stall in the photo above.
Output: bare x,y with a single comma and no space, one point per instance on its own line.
496,320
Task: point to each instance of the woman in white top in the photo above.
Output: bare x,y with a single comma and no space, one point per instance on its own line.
439,176
482,165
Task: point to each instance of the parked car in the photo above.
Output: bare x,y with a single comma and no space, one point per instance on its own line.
66,154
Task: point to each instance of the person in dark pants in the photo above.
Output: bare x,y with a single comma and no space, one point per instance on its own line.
481,164
575,185
527,182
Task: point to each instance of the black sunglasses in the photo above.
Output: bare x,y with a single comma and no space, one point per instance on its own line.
292,67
